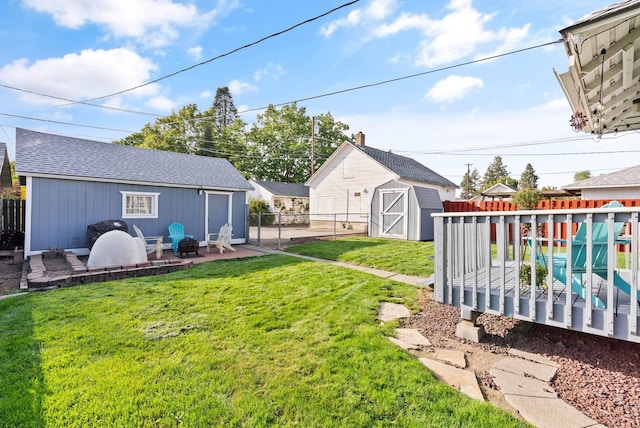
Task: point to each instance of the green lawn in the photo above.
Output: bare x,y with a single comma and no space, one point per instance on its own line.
266,341
393,255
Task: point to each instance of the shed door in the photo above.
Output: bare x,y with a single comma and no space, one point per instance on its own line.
393,213
218,211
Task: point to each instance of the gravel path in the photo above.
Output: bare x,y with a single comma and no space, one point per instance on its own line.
597,375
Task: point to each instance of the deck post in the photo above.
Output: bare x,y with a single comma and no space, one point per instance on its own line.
468,328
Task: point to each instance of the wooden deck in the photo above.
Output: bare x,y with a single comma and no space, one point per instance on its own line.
478,260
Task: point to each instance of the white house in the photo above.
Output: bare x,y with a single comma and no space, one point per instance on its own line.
289,199
623,184
343,187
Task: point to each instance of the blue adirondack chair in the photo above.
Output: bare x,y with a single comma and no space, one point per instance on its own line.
599,258
176,233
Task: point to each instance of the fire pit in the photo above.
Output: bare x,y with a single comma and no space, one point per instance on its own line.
188,245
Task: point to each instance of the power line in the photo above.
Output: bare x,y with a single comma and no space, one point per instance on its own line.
64,123
279,33
40,94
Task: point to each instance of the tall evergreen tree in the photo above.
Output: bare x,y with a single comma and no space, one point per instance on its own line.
528,179
223,111
470,182
496,173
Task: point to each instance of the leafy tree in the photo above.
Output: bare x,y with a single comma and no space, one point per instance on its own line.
526,198
279,144
581,175
217,132
528,179
496,173
471,181
178,132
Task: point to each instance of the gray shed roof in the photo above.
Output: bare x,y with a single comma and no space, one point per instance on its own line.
406,167
40,154
279,188
428,198
629,177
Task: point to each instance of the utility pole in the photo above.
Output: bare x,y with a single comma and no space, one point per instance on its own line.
468,178
313,143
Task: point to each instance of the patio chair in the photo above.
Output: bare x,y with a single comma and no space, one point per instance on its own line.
223,239
151,243
599,257
176,233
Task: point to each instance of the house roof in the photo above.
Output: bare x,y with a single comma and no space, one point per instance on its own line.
499,189
602,84
5,169
428,198
279,188
629,177
50,155
406,167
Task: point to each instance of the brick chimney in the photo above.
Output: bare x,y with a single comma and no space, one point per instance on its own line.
360,139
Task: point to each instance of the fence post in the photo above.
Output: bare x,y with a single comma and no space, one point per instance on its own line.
279,227
335,221
259,227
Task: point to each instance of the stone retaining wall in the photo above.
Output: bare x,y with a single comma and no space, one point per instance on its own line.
38,279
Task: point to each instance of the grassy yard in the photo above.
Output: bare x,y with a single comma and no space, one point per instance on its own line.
393,255
266,341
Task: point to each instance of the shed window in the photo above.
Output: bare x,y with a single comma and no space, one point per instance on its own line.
139,205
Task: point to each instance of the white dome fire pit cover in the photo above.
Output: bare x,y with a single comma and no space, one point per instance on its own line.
116,248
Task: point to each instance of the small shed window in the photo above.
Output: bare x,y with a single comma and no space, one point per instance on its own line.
139,204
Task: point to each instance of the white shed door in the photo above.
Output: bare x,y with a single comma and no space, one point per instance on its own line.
393,213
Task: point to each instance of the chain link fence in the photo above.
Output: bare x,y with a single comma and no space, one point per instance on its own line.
282,230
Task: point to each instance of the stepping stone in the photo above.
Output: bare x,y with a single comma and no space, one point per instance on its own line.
523,367
455,358
520,385
403,344
532,357
392,311
535,400
412,336
463,380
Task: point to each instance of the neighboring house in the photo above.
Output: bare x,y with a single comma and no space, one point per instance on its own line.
499,191
289,199
343,188
72,183
5,169
623,184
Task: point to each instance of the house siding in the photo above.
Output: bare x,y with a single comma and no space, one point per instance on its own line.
62,209
354,173
611,193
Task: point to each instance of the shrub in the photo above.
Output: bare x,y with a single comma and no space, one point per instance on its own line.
260,206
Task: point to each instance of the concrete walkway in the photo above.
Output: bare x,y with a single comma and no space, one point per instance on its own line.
522,377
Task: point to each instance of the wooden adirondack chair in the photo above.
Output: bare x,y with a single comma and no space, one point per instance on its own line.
151,243
223,239
176,233
599,257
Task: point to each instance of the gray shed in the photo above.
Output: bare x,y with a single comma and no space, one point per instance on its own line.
403,211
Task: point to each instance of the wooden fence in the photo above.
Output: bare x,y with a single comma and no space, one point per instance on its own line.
12,227
549,204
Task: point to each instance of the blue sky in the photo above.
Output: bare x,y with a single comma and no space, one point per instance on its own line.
448,116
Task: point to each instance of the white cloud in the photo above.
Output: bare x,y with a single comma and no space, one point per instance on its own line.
271,70
195,53
206,94
160,103
375,11
458,34
237,87
89,74
151,22
453,88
